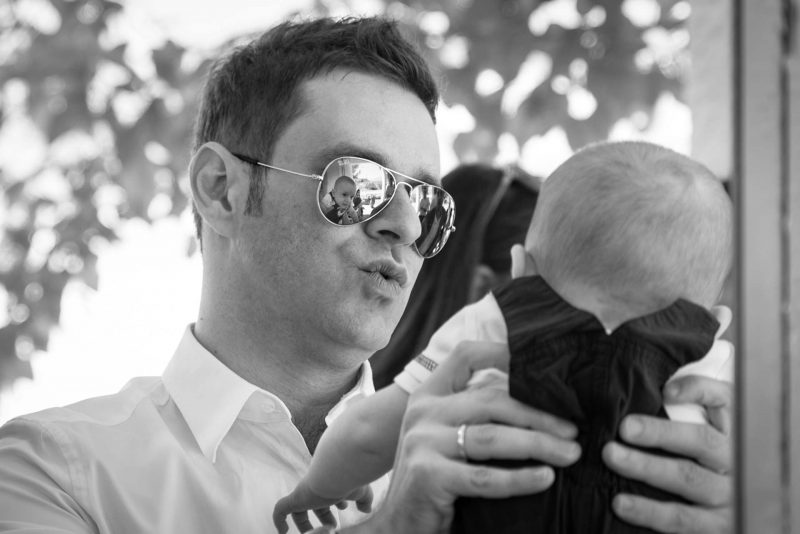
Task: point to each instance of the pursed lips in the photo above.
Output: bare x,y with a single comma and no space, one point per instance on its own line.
390,271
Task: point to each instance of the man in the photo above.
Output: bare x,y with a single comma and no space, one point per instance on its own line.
292,305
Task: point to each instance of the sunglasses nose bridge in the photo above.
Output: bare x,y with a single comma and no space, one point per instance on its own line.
408,186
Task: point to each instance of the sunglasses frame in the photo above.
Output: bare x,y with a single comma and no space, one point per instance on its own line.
410,187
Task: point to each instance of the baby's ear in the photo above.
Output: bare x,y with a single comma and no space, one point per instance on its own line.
522,263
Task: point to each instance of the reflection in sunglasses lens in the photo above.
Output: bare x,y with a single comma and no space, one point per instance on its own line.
354,190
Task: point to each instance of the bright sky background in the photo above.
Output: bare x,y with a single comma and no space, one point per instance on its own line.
204,23
148,288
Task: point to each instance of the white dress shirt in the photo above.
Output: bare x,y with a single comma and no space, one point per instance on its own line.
197,450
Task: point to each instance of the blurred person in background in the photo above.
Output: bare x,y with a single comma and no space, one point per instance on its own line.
495,205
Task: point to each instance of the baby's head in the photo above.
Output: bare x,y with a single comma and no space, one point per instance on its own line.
634,226
343,191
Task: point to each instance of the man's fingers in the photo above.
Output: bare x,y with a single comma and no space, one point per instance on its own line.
496,483
483,442
672,517
453,374
704,443
676,475
492,440
714,395
484,405
495,405
709,392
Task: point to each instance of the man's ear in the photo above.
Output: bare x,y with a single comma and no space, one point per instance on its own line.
219,187
522,263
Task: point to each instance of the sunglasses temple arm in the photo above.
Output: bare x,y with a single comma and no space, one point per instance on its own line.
316,177
252,161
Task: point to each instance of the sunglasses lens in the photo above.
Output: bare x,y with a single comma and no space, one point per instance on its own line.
354,190
436,211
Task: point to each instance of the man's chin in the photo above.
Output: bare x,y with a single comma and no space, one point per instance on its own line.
375,338
376,343
371,328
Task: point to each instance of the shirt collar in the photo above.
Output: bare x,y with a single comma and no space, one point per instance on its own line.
210,396
363,388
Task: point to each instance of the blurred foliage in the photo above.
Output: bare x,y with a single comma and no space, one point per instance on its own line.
599,61
105,138
115,141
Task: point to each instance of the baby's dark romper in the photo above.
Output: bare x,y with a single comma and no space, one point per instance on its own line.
563,362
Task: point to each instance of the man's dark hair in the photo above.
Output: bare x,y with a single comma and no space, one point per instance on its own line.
252,94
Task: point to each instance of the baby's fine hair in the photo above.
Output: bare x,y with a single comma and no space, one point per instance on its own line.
638,221
343,180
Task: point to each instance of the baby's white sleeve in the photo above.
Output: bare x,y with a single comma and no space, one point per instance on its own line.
480,321
717,364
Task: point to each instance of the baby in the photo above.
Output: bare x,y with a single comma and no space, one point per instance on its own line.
339,201
627,252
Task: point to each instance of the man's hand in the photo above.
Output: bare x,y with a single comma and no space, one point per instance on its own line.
302,500
702,476
429,471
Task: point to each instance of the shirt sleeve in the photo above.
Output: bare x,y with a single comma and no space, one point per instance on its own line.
36,491
717,364
481,321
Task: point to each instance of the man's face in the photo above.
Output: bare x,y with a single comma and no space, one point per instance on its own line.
338,290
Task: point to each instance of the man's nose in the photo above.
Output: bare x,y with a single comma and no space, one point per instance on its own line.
398,222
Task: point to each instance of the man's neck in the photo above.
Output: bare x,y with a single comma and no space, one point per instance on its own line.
311,426
312,400
308,390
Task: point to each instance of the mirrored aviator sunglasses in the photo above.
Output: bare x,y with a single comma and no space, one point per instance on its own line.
353,190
